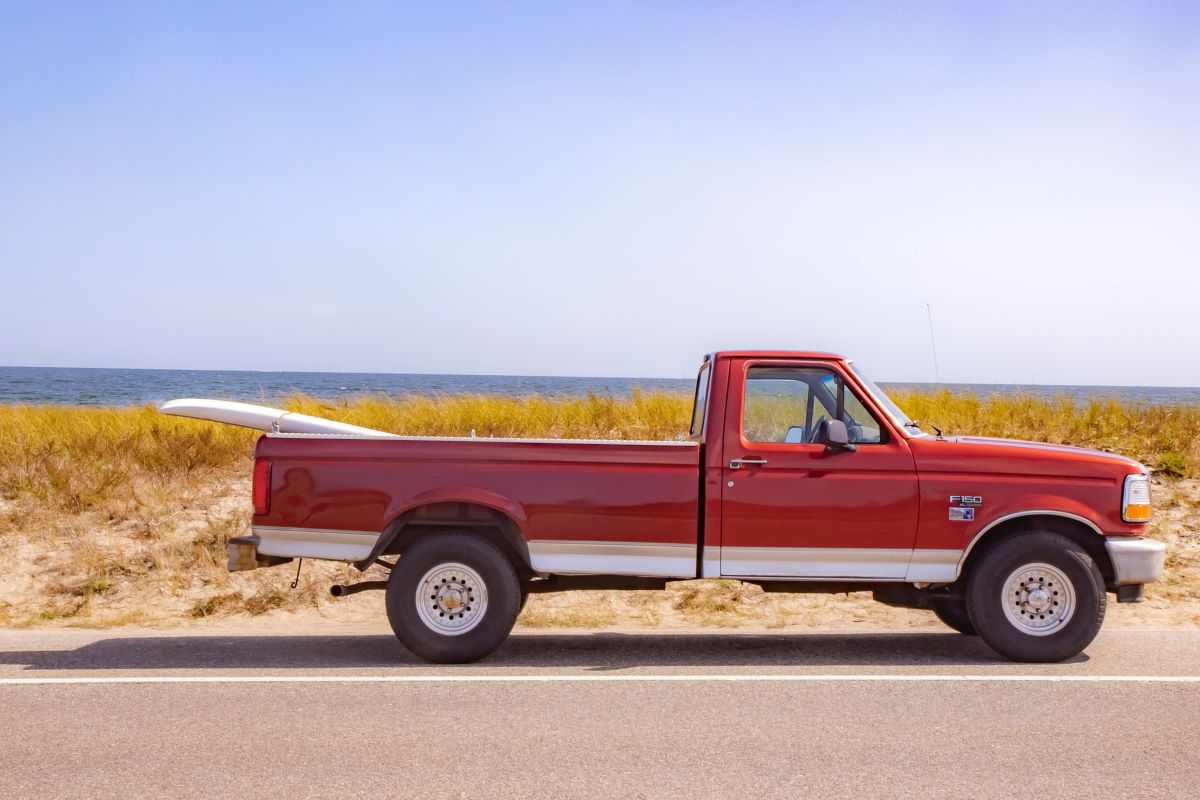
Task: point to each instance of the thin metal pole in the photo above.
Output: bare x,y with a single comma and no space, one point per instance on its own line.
937,373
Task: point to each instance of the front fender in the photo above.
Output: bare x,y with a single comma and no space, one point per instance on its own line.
1039,504
1034,506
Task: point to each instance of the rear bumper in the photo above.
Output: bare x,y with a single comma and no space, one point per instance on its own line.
1135,560
244,555
268,545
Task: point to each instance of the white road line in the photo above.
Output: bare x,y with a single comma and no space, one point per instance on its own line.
637,678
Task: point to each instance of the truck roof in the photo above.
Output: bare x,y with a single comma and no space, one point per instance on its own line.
798,354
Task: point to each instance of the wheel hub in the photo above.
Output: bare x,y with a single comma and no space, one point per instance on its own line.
1039,599
451,599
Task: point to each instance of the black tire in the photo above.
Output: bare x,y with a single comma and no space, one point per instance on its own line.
952,610
496,614
990,606
524,598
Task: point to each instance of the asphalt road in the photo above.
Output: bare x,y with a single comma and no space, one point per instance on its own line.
181,715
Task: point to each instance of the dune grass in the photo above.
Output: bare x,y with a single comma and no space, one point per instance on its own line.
75,458
71,459
110,516
1164,437
645,415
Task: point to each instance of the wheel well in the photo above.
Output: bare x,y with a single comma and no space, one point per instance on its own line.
1086,537
488,523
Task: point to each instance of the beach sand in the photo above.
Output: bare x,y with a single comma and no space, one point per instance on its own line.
161,563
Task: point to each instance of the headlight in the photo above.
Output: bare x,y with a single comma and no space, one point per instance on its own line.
1135,499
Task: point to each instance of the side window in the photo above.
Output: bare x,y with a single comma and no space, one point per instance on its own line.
786,404
778,404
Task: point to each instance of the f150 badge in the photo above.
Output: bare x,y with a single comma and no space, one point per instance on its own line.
962,507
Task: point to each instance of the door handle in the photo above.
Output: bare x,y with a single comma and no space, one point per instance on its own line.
738,463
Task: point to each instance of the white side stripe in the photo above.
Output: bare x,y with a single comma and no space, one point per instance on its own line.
613,558
647,678
816,562
934,566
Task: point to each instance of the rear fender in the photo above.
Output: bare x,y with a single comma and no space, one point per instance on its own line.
509,517
469,495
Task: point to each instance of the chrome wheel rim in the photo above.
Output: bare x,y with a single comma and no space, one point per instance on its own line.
1039,599
451,599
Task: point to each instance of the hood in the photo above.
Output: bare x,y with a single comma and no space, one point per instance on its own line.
1013,456
1054,448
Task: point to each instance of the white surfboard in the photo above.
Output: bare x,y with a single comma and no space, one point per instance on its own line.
263,418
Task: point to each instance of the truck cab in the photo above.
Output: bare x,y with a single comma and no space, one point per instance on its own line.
820,474
822,477
814,481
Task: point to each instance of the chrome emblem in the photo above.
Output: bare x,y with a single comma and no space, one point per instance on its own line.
966,499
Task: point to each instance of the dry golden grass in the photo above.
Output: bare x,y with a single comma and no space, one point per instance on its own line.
1164,437
116,516
646,415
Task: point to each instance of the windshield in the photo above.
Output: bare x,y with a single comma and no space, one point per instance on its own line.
891,408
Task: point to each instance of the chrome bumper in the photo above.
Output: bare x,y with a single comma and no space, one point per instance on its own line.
244,555
1135,560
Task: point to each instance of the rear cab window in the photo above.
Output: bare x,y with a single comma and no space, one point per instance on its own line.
700,404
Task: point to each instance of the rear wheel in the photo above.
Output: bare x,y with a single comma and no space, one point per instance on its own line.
952,610
453,598
1037,596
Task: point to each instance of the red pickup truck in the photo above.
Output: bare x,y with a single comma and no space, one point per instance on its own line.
799,475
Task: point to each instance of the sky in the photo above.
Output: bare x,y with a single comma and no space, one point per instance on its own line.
606,189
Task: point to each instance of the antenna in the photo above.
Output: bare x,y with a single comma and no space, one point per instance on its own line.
933,345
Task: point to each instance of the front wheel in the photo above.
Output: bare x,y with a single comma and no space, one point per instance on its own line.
453,598
952,610
1036,597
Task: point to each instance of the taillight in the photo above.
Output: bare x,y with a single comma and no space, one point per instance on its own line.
262,486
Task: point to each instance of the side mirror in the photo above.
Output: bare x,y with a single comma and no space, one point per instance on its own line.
795,435
834,435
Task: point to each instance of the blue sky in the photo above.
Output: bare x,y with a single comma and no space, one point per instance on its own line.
608,189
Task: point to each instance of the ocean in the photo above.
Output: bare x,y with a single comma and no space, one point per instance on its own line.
132,387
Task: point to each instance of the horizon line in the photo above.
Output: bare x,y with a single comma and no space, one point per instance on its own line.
583,377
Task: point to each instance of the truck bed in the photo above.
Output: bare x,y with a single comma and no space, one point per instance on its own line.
580,506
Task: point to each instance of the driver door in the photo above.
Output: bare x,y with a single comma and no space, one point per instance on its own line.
793,508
